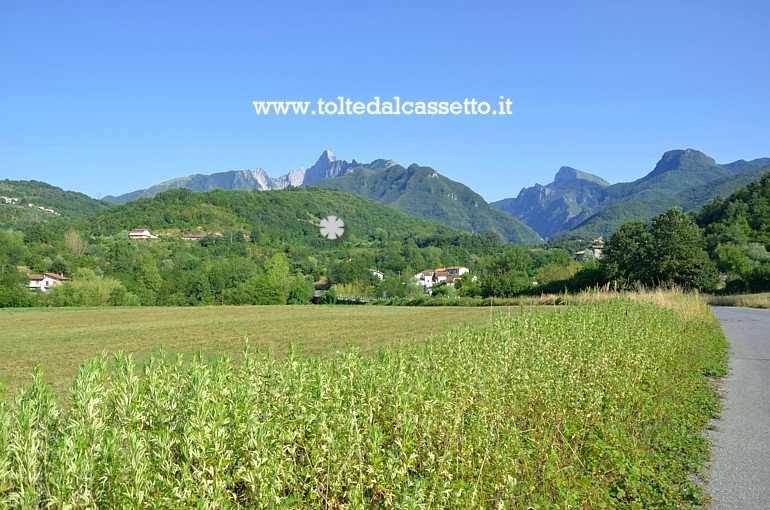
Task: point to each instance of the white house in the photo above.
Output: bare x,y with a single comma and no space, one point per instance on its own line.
377,274
141,233
425,278
45,281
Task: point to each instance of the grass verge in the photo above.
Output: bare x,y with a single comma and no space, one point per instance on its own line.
744,300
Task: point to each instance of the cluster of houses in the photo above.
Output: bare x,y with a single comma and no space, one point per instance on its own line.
15,201
143,233
441,276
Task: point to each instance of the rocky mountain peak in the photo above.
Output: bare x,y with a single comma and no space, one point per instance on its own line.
568,175
328,165
679,159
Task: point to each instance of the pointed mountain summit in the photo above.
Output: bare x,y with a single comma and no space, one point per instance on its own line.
568,175
570,198
328,166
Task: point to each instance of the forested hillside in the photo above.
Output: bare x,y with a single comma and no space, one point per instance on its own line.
30,202
254,247
737,234
424,193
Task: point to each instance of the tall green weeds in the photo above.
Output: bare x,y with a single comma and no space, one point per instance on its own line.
592,406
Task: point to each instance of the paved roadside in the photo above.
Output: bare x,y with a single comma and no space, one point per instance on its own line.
739,475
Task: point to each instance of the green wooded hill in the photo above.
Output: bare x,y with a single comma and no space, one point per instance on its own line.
580,204
68,204
739,220
424,193
291,215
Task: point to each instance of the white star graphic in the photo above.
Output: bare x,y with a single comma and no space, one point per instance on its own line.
332,227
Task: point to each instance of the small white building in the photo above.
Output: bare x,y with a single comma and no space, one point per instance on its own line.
45,281
377,274
141,233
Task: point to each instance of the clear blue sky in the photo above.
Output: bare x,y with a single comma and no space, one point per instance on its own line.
109,97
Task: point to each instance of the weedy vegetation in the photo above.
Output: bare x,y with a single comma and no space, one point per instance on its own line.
599,405
742,300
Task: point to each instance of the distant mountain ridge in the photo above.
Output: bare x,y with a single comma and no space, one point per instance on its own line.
419,191
585,204
574,203
328,165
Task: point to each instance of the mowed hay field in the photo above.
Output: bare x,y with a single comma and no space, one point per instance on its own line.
60,340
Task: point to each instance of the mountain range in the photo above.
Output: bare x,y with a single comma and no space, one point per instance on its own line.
418,191
581,204
575,204
327,166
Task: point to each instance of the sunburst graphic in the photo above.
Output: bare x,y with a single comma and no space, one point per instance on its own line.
332,227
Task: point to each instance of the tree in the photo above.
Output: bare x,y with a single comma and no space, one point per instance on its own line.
301,291
13,292
628,255
668,251
88,289
272,286
74,243
148,279
681,258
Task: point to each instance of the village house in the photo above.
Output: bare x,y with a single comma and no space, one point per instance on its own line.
193,237
45,281
595,250
377,274
440,276
141,233
457,270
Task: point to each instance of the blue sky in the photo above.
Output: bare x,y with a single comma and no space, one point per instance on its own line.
109,97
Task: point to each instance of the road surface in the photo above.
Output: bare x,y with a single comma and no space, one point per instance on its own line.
739,475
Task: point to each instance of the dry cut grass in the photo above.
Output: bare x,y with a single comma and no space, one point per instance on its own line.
60,340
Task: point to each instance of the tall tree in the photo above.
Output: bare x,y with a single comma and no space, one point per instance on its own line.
681,258
628,256
668,251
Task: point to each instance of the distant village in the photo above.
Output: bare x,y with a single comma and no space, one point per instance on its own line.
17,202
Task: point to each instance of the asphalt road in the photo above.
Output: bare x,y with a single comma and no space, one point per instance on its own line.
739,475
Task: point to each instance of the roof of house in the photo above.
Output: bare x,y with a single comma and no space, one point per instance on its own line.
50,275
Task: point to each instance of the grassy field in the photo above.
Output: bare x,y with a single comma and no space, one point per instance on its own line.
601,405
61,339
